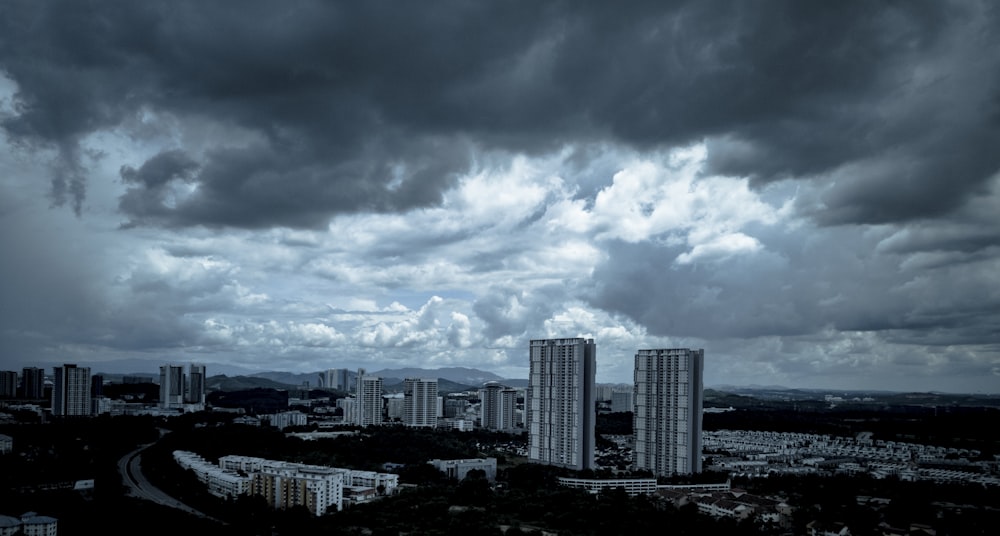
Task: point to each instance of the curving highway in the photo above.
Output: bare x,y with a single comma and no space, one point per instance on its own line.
141,488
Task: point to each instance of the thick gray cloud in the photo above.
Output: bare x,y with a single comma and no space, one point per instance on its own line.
807,190
370,106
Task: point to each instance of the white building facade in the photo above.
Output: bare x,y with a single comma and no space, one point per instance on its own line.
668,410
560,402
420,402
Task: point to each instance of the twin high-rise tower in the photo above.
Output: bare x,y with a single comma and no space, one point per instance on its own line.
561,406
668,409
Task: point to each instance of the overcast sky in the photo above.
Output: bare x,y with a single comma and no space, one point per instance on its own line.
808,191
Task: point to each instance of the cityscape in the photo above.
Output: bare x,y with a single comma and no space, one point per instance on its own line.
645,441
500,267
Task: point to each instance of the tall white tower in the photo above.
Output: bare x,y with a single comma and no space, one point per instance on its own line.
369,399
561,402
668,406
420,402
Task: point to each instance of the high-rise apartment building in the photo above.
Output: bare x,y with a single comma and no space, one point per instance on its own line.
560,402
368,405
420,401
668,406
71,391
8,384
498,407
171,386
33,383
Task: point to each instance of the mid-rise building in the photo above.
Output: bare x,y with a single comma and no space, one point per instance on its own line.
560,402
498,407
668,409
368,403
71,391
8,383
420,402
33,383
284,485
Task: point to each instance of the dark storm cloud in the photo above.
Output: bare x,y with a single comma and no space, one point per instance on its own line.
368,106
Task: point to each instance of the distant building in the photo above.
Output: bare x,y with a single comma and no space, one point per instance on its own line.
71,391
622,400
455,407
8,384
195,385
171,387
498,407
96,385
334,379
33,383
459,469
560,402
6,444
368,404
668,411
286,419
420,402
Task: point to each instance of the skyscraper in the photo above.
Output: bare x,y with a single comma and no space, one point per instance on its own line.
33,383
561,403
369,399
497,407
196,385
71,391
668,404
420,402
171,386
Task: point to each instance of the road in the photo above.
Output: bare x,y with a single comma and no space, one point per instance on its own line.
141,488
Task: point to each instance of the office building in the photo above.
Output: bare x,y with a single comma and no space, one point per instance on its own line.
368,403
560,402
71,391
171,387
498,407
8,384
420,402
668,405
33,383
622,400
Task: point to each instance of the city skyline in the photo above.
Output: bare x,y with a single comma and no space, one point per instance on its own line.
808,192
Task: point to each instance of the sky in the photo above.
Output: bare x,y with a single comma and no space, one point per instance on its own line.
810,191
